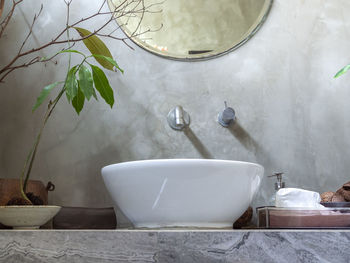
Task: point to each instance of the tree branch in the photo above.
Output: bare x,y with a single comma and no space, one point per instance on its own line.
2,6
127,8
8,17
118,12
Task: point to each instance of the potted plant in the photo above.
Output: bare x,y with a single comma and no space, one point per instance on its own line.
82,82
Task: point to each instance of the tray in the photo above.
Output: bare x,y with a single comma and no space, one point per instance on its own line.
329,217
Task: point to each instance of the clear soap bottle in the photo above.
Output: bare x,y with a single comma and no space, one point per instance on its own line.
278,185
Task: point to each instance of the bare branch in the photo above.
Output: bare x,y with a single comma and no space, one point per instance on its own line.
100,9
2,6
30,29
8,17
126,8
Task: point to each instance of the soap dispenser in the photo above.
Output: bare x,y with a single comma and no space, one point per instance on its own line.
278,185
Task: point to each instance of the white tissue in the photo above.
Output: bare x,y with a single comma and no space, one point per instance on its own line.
295,197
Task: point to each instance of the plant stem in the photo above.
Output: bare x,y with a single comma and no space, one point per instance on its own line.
32,153
67,26
49,110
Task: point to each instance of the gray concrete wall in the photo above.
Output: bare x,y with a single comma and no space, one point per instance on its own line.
292,115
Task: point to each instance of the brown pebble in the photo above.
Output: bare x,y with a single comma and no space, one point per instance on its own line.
346,186
337,197
36,200
18,201
344,193
327,197
244,219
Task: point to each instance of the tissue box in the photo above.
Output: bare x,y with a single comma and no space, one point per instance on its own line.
277,217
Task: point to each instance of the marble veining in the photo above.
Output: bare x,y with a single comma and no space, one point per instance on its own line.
175,246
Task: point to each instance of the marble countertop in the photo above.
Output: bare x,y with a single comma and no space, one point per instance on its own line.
174,246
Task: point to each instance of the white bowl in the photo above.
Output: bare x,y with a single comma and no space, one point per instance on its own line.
183,192
27,216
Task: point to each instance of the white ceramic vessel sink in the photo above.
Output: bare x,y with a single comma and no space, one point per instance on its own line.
183,192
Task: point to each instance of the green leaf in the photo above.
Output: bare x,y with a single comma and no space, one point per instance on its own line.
102,85
86,82
97,47
78,101
68,98
71,51
94,94
111,60
71,84
342,71
43,94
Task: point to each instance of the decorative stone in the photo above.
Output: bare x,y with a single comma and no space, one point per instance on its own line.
338,197
345,191
327,197
244,219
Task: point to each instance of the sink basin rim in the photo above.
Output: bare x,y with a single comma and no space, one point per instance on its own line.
184,160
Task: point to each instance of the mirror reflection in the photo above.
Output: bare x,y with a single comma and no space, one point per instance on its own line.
191,30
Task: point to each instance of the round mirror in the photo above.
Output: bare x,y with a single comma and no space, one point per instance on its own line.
190,30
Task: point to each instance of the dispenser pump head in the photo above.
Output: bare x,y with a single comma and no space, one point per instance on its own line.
279,184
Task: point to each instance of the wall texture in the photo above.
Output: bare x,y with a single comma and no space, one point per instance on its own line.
292,115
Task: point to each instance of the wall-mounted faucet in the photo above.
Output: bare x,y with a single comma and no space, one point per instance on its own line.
178,118
227,116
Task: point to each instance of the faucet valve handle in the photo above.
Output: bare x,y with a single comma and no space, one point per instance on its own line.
227,116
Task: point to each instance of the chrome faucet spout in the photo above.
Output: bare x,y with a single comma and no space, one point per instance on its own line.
178,118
